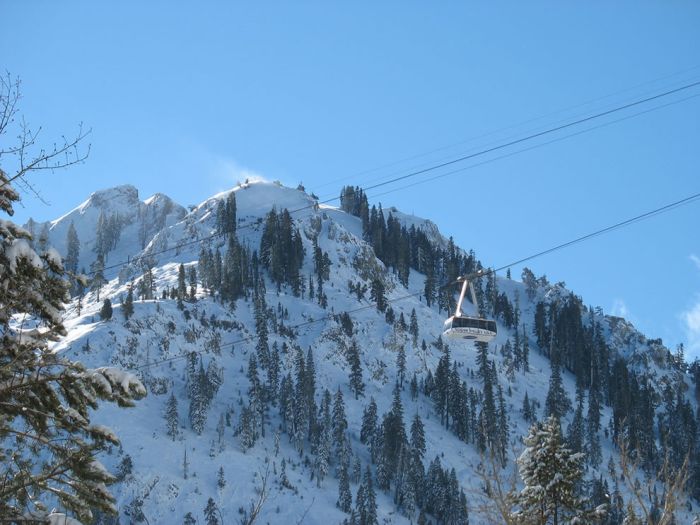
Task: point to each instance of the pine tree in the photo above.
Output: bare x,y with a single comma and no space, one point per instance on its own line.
211,513
418,437
221,478
181,283
106,310
339,424
128,306
172,423
72,254
366,502
356,384
344,502
575,435
47,399
377,294
98,277
369,422
413,327
401,365
246,431
551,474
557,403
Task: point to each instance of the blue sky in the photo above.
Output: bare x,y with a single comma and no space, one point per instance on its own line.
186,98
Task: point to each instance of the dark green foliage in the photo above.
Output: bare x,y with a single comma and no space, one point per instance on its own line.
128,306
376,294
401,365
281,249
226,216
558,403
211,513
418,437
106,310
369,422
98,278
172,423
357,385
366,502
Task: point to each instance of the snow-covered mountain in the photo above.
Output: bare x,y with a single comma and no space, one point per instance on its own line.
166,341
119,209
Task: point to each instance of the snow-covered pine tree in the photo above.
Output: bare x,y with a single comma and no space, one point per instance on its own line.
418,437
72,256
98,277
557,403
47,398
128,306
551,474
172,423
356,384
211,513
369,422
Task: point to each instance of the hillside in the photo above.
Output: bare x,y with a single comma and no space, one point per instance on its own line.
233,305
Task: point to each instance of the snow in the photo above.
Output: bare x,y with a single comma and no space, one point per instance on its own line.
21,249
59,518
150,349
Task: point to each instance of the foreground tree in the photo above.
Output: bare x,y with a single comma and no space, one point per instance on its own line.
48,446
552,475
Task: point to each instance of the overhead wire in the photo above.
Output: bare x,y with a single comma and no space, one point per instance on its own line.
509,127
423,171
533,147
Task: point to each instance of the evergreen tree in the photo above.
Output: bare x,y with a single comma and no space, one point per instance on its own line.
418,437
106,310
98,277
172,423
367,501
211,513
356,384
557,403
551,474
199,401
128,306
393,439
344,502
181,283
401,365
377,294
220,478
340,424
369,422
413,327
323,449
192,275
50,447
246,431
576,429
72,250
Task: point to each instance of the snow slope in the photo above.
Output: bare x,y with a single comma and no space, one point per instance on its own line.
155,340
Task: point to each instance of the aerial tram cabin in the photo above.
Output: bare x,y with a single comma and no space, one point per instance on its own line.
467,327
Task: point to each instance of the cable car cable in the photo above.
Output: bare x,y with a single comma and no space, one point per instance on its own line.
429,169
